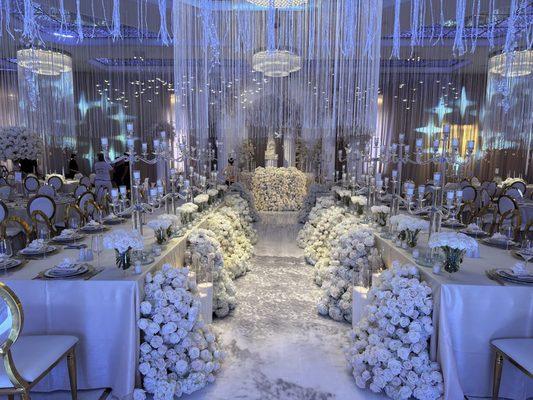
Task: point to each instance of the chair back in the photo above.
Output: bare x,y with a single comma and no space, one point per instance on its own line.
47,190
4,172
56,182
4,212
80,189
486,200
31,184
467,212
520,185
4,182
492,188
17,221
85,181
5,192
514,193
86,203
469,193
464,183
74,209
42,203
100,194
506,204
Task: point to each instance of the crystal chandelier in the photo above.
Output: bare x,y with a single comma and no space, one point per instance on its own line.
512,65
278,3
44,62
276,63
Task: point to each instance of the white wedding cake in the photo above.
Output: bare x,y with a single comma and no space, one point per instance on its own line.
271,157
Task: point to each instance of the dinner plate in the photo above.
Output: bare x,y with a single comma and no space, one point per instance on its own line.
10,263
452,224
508,275
499,243
475,234
58,273
67,239
93,228
113,221
46,250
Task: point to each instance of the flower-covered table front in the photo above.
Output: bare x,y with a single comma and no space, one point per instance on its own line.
469,311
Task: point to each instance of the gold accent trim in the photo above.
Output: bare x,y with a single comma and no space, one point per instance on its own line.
19,221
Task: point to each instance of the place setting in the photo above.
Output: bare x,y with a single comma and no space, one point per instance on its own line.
68,236
38,248
93,227
69,269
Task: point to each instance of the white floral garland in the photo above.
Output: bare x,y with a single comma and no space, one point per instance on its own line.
178,354
352,253
241,206
319,243
279,189
304,235
241,190
390,344
203,245
315,191
16,143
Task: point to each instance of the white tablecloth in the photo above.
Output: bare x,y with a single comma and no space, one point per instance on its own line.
469,311
102,312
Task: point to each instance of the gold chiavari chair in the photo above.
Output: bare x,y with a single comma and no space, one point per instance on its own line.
28,359
468,212
39,218
74,208
90,207
509,214
21,223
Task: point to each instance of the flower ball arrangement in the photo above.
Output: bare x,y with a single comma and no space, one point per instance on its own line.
17,143
315,191
353,253
322,205
204,247
244,193
318,246
242,208
279,189
179,354
390,344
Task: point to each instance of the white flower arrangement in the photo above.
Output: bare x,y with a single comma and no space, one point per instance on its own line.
279,189
380,209
390,344
242,208
319,242
188,208
174,219
159,224
205,248
453,240
353,253
244,193
179,354
402,222
123,240
315,191
201,199
510,181
212,192
17,143
359,200
322,204
222,188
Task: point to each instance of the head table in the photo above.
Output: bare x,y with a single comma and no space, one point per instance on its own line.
469,311
101,311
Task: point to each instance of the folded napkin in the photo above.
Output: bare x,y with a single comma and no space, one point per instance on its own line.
110,216
66,265
67,233
499,237
519,269
37,244
92,222
473,228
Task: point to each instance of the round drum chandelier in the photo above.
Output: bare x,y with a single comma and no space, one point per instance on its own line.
44,62
512,65
276,63
278,3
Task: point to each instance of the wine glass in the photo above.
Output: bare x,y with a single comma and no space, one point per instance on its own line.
526,250
74,223
507,231
44,235
97,246
6,251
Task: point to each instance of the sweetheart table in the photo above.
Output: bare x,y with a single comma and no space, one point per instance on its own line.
102,312
469,311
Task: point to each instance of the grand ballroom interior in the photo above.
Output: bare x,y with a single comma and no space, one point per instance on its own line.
266,199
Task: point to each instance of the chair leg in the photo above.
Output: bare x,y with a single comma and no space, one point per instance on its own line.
498,364
25,396
71,362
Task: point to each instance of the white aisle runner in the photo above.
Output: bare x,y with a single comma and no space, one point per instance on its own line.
278,347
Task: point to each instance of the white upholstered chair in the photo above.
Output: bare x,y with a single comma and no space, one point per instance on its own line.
25,360
56,182
31,184
518,351
47,190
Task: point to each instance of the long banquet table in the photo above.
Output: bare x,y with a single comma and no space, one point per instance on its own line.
469,311
102,312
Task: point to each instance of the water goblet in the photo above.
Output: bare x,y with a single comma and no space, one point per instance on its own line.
6,251
97,246
526,250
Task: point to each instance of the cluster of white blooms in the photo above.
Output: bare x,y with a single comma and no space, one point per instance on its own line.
390,344
359,200
159,224
242,208
453,240
402,222
315,191
319,241
304,236
123,240
17,143
244,193
175,222
204,249
178,354
352,253
187,212
279,189
236,247
201,199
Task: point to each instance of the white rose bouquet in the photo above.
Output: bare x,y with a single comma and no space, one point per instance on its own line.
390,344
279,189
17,143
175,222
359,203
322,204
160,227
123,242
187,212
453,245
409,228
380,214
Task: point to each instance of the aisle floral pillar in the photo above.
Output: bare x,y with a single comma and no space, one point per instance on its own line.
47,102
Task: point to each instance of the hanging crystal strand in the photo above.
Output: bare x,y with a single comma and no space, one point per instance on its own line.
2,17
62,15
163,32
115,31
93,20
415,28
510,40
30,29
475,26
458,43
492,23
432,22
396,35
441,23
78,22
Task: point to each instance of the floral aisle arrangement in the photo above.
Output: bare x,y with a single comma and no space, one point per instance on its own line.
409,228
205,249
123,242
380,214
160,227
454,246
17,143
187,212
390,344
315,191
353,253
279,189
244,193
241,207
304,235
236,247
179,354
318,246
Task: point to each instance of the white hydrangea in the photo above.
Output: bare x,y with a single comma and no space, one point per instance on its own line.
322,204
205,249
173,336
389,352
279,189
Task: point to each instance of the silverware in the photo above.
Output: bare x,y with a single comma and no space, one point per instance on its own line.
493,277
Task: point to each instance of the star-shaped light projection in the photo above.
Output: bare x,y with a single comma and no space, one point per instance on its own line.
84,105
441,110
430,128
122,118
464,103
